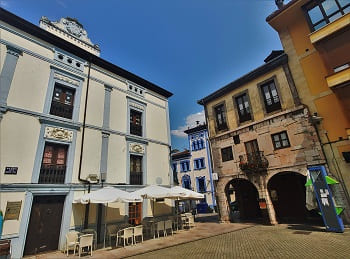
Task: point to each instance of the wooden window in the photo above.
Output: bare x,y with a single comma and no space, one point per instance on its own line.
135,122
220,117
62,101
53,167
185,166
136,174
186,182
280,140
322,12
271,98
242,104
252,146
135,210
199,163
226,154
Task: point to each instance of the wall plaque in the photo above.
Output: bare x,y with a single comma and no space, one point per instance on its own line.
11,170
13,208
136,148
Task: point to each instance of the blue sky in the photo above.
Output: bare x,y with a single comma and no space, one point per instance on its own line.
189,47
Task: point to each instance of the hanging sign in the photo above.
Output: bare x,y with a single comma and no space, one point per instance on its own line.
324,199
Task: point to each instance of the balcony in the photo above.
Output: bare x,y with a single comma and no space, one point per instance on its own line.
136,129
253,162
340,78
61,110
136,178
52,174
330,29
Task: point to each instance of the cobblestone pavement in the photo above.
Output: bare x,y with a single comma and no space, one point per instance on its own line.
282,241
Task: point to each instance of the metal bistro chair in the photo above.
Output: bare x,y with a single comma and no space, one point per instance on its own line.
160,227
71,241
125,234
168,225
138,232
85,241
112,231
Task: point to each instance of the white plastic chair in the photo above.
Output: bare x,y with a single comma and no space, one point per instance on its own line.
125,234
138,232
168,225
85,241
71,241
190,221
160,227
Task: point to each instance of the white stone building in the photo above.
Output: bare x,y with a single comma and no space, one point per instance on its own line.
71,121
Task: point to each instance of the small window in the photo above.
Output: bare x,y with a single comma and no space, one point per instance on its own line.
226,154
186,182
236,139
280,140
62,101
199,163
271,98
243,108
136,173
322,12
135,122
220,117
346,156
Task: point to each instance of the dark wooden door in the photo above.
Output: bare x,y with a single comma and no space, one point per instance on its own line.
252,146
44,224
135,213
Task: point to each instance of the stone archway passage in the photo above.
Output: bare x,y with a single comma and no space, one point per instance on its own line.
287,192
243,198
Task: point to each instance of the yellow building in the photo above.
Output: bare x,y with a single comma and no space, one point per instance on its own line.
316,36
69,121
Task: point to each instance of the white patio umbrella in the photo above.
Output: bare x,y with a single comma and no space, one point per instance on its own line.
186,194
154,192
105,196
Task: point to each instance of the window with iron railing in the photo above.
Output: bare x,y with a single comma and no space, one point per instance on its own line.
271,98
53,166
136,174
220,117
321,12
201,188
62,101
243,108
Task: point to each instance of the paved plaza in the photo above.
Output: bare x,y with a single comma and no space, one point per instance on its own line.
210,239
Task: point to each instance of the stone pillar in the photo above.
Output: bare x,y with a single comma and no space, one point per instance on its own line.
6,76
270,208
222,202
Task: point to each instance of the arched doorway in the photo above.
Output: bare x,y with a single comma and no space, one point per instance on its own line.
287,192
243,199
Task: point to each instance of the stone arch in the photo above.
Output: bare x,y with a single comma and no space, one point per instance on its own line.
287,193
243,199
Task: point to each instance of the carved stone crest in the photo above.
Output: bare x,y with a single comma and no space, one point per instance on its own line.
59,134
66,79
136,148
74,27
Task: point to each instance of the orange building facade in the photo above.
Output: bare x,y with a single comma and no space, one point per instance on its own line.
316,37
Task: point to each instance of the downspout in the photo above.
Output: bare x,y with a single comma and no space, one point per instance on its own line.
87,207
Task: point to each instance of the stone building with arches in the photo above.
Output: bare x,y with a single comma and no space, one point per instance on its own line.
262,142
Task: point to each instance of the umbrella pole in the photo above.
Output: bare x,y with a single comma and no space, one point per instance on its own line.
104,237
154,229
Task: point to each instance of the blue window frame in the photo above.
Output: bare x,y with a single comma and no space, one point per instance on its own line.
186,182
198,163
197,144
201,186
185,166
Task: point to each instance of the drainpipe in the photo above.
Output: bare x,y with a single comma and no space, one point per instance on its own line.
87,207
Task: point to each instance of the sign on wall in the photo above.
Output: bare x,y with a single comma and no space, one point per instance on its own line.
325,200
13,208
11,170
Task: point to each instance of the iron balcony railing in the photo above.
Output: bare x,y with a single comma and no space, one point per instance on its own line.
52,174
136,178
135,129
61,109
244,117
253,162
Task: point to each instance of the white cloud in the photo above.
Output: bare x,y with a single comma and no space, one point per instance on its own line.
4,3
190,121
